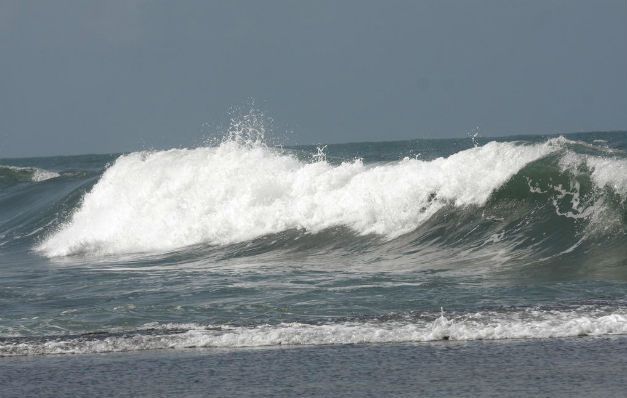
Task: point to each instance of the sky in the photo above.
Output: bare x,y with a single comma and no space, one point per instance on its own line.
112,76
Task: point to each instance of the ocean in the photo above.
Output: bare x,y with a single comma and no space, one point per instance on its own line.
418,256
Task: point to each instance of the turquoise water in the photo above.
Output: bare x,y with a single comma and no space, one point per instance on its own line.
242,244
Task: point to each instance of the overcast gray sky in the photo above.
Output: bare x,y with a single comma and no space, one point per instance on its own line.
111,76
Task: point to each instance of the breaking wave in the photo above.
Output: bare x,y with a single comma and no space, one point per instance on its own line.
239,191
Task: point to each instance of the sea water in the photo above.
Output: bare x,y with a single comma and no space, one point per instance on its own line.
244,245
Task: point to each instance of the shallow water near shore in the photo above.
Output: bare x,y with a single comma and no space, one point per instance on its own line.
574,367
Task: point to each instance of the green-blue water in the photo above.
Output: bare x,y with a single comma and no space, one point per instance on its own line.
242,244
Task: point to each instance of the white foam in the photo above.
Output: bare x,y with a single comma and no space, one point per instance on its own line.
605,171
157,201
608,172
479,326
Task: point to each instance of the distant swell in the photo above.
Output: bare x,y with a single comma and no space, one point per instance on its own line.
529,324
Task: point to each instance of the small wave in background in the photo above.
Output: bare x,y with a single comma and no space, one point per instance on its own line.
13,174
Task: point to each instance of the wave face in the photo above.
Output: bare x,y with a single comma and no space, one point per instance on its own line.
245,244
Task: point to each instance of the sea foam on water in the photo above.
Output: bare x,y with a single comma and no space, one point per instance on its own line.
529,324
